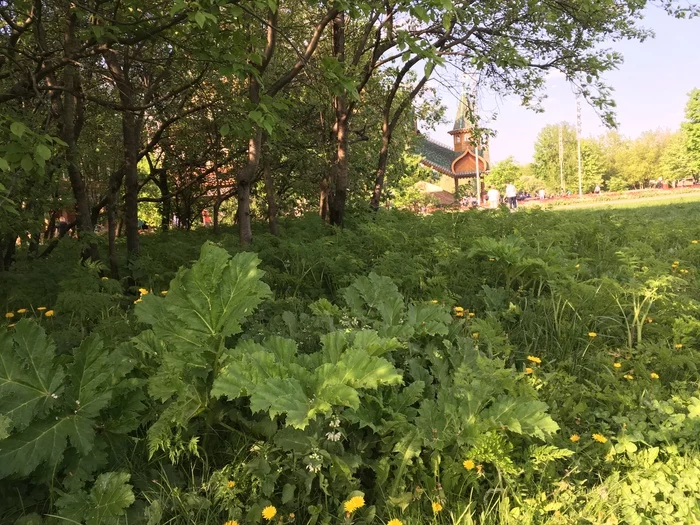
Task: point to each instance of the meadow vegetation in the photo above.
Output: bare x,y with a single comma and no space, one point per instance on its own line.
536,367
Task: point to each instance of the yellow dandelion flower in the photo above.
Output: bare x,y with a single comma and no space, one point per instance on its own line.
22,311
592,334
434,301
469,464
48,313
105,278
164,292
575,438
617,365
269,512
675,263
395,522
534,359
528,370
694,241
654,375
231,484
143,291
41,309
231,522
437,506
458,309
471,314
578,266
354,503
628,377
291,516
600,438
459,314
678,345
9,315
475,335
650,320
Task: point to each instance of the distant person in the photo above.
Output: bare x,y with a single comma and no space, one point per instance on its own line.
494,197
541,193
206,218
597,189
512,196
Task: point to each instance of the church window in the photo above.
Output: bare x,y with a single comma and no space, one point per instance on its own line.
458,138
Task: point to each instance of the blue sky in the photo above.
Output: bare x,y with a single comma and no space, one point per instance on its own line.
650,88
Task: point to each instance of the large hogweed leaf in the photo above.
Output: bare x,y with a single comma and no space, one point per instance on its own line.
50,406
105,504
279,381
205,304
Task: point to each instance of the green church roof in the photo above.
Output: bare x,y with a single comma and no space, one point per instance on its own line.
437,155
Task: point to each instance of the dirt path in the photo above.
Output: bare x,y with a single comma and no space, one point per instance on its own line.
672,197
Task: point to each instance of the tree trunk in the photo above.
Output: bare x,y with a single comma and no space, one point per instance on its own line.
131,129
115,182
243,183
323,199
70,126
381,167
271,200
340,168
165,208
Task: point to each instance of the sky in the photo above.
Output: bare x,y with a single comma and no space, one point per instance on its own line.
651,90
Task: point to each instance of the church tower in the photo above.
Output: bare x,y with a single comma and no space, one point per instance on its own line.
462,129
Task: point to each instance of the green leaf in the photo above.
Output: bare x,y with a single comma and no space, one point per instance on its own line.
29,379
200,18
522,416
18,129
282,396
27,163
225,130
4,165
43,151
42,442
287,493
104,505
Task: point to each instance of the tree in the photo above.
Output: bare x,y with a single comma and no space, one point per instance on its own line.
691,130
504,172
546,164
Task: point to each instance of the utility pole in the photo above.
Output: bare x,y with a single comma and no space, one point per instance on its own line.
561,159
578,146
478,181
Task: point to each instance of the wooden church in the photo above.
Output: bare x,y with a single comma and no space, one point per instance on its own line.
456,165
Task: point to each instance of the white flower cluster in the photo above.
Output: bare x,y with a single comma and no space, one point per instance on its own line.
314,463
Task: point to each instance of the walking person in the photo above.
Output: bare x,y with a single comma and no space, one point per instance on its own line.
494,197
512,196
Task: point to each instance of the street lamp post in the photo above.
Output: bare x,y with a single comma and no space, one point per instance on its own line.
578,147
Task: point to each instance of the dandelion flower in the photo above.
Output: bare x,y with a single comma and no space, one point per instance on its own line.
105,278
694,241
600,438
592,334
471,314
269,512
654,375
41,309
434,301
22,311
534,359
395,522
231,522
528,370
469,464
48,313
475,335
578,266
354,503
459,314
617,365
437,506
675,263
628,376
231,484
9,315
678,345
458,309
143,291
650,320
575,438
164,292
